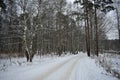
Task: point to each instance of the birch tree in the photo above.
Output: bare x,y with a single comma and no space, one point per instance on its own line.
29,29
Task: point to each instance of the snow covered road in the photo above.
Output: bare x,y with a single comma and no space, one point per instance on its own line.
60,72
73,67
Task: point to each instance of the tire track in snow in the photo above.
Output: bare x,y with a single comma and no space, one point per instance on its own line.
68,72
65,71
50,71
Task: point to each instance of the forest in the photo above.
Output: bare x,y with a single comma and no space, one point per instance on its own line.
59,39
29,27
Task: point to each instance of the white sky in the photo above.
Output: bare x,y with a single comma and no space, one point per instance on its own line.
70,1
113,32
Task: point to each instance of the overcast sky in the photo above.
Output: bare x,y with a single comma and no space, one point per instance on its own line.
70,1
113,32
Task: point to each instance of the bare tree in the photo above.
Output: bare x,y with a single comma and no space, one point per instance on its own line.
29,29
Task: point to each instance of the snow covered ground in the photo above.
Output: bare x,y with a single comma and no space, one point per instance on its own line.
111,62
70,67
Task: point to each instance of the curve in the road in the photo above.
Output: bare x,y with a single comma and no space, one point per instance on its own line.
70,63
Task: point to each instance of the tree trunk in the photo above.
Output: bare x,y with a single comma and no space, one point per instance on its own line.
31,57
87,28
96,31
86,39
118,22
27,55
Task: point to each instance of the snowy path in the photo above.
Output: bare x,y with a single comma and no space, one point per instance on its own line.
60,72
74,67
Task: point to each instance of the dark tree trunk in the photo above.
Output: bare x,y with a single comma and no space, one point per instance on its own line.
96,33
31,57
27,55
87,47
118,22
87,29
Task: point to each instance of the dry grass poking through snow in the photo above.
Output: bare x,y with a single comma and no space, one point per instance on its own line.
111,63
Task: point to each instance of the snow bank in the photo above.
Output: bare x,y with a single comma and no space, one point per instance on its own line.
88,69
111,63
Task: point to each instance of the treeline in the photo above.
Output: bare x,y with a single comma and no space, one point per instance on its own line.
39,26
112,45
52,26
